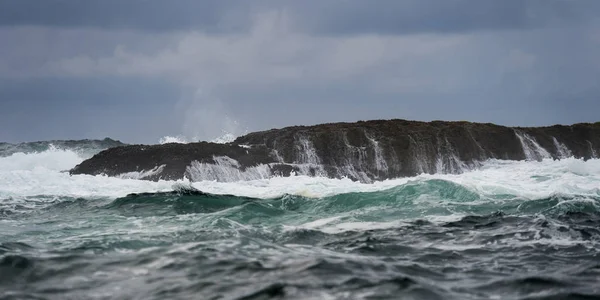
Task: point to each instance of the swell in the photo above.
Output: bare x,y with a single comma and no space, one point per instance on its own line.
182,243
181,201
414,199
473,257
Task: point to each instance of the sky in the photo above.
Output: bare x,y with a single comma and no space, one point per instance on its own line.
139,70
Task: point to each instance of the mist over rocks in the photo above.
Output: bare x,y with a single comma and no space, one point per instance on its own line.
365,151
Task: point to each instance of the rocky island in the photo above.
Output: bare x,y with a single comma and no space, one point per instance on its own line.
365,151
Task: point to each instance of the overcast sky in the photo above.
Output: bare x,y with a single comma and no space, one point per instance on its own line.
138,70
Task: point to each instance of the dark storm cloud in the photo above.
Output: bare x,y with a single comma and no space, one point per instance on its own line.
416,16
139,70
152,15
321,17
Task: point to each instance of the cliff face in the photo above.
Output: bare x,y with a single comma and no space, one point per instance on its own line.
365,151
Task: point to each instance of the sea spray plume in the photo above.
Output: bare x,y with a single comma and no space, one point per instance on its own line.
53,158
172,139
226,137
363,151
205,117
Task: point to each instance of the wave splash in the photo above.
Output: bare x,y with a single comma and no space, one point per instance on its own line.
172,139
227,137
23,176
41,173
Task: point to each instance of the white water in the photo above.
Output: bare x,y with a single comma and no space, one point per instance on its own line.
562,149
173,139
450,162
53,159
143,174
592,150
225,169
24,175
380,163
307,158
227,137
418,155
532,150
354,157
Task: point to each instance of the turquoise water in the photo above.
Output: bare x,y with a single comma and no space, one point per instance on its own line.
511,230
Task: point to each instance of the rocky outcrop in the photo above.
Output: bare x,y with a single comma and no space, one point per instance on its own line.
364,151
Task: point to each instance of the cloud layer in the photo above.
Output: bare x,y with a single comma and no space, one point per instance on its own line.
226,65
330,17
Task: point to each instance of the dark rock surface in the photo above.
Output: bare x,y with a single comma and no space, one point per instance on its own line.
365,151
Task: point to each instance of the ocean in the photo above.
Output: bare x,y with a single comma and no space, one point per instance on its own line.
505,230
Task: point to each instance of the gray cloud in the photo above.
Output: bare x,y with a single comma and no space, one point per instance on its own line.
508,62
444,16
150,15
320,17
127,109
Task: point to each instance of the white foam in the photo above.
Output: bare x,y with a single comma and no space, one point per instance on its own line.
532,179
531,149
53,159
447,160
173,139
143,174
592,150
562,149
358,226
319,223
225,169
227,137
535,180
380,163
23,175
307,154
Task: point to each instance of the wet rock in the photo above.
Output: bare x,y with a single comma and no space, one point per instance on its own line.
365,151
